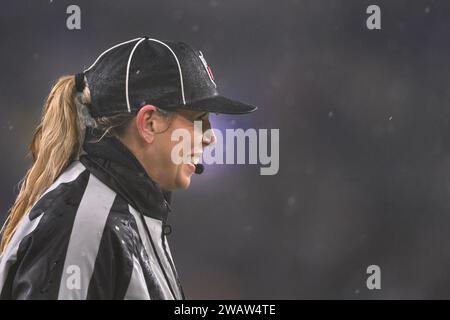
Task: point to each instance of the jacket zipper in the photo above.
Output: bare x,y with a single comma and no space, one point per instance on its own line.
163,237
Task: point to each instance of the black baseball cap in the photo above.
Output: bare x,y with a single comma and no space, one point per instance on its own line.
167,74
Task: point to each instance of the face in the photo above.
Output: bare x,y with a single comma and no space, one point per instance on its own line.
158,156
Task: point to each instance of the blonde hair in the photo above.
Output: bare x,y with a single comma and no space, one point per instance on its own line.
56,142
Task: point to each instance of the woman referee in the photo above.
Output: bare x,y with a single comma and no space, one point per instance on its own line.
89,221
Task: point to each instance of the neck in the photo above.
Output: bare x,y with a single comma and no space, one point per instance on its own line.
151,167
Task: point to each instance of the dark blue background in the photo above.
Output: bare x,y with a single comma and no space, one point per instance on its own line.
364,148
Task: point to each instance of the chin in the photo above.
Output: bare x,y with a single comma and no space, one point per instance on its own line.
184,183
183,180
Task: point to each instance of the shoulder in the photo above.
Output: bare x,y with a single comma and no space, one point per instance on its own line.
81,208
78,221
78,211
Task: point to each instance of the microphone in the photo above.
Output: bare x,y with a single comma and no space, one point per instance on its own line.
199,168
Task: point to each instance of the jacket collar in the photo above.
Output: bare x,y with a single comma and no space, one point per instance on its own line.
116,166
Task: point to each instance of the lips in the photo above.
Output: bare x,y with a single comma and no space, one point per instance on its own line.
195,158
191,166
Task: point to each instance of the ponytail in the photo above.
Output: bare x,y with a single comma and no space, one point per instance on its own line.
56,142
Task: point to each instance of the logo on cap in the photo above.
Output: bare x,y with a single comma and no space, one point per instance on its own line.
207,68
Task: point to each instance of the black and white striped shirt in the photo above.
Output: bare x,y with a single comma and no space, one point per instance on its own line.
98,232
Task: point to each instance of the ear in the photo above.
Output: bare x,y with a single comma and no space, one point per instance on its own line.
145,122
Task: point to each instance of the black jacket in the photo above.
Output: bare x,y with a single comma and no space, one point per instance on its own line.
99,232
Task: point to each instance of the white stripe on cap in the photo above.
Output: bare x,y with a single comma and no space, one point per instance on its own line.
127,75
128,70
129,62
107,50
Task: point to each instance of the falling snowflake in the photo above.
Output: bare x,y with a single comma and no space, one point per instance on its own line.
291,201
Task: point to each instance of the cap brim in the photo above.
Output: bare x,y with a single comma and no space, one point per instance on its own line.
220,104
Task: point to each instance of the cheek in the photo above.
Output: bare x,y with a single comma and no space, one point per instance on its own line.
182,147
164,146
179,174
176,171
183,176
